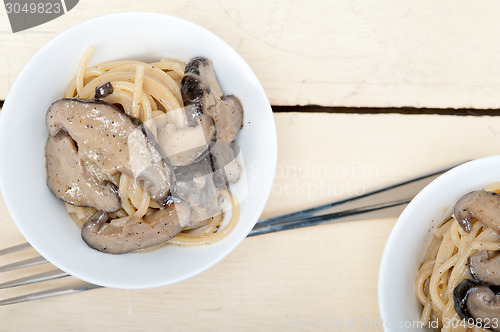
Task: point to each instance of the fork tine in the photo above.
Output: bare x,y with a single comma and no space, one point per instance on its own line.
25,263
83,286
49,275
13,249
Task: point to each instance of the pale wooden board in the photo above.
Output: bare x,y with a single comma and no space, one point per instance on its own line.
333,53
301,278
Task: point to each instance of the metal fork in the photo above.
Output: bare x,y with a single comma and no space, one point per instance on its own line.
387,202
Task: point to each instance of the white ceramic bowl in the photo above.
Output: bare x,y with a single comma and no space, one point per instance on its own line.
405,248
42,218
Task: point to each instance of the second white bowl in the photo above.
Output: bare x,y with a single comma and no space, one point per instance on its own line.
406,246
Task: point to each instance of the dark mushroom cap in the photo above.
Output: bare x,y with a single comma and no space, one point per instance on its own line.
103,90
484,268
192,89
478,205
478,303
193,66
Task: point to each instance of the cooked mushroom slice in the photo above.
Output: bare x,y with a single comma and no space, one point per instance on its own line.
113,141
483,268
188,145
200,82
103,91
200,86
136,233
224,159
71,182
228,115
195,185
478,205
474,301
192,113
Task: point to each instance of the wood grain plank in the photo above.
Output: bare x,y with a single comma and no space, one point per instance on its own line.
386,53
319,276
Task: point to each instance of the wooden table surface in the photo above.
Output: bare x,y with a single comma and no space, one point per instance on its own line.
382,55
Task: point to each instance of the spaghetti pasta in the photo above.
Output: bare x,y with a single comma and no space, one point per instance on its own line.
145,91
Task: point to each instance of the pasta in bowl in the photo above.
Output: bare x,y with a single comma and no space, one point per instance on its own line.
130,62
433,274
143,153
459,277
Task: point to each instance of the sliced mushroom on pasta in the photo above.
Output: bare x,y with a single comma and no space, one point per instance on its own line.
479,205
185,146
68,178
484,267
200,86
134,232
113,141
477,303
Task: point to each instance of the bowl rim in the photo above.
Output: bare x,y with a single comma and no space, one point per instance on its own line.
8,112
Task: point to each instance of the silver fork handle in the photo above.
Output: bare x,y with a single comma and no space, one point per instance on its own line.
382,210
79,287
49,275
